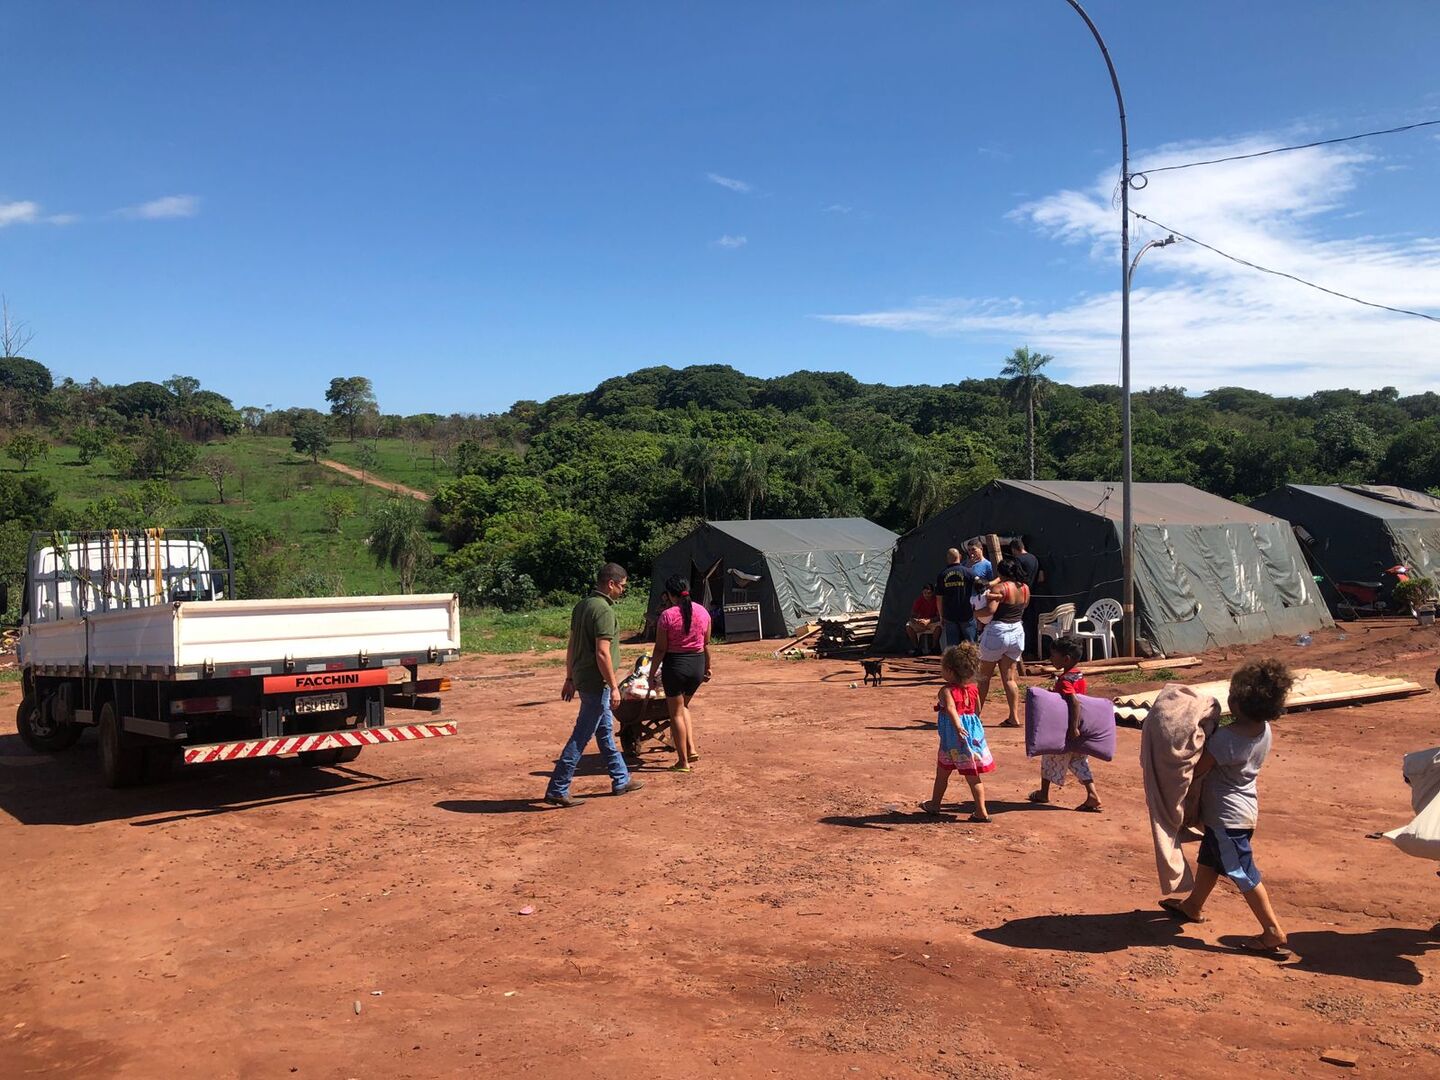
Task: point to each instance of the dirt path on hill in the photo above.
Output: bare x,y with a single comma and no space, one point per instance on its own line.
781,911
375,481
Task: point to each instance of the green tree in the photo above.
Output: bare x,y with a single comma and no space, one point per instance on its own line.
163,454
1026,387
922,484
337,508
1347,448
350,399
699,462
308,435
368,457
749,473
90,442
397,539
27,448
24,383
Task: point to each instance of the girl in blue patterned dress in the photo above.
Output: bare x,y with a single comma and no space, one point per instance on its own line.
963,748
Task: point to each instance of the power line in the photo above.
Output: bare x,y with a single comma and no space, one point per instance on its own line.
1282,273
1281,149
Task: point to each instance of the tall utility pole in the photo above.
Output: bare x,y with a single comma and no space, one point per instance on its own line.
1127,513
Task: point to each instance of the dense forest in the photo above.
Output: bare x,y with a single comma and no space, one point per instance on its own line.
530,500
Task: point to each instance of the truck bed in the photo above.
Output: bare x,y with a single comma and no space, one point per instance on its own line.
219,638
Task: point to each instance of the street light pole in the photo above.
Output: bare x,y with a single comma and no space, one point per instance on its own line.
1127,526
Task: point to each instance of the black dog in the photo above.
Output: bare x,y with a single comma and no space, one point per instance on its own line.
874,671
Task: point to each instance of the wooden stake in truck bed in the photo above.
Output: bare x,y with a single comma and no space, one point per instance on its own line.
137,634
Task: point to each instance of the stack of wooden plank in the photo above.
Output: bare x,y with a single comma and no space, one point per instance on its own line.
1313,687
846,636
1111,665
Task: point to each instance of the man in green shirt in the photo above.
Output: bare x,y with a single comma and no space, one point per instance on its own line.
592,663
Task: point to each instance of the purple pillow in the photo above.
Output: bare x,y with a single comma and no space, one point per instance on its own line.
1047,722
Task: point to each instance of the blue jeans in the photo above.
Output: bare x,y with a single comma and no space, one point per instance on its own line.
595,721
952,633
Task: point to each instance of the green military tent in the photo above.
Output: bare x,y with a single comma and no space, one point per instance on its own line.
1355,531
794,569
1208,571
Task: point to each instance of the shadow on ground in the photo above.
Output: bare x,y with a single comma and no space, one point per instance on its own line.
1380,955
65,788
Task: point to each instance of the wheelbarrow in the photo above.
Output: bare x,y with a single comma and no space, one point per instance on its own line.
641,719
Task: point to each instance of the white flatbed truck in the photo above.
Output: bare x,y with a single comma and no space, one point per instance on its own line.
136,634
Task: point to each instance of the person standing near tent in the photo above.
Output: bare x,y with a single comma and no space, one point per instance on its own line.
592,663
680,663
976,562
1003,642
1033,576
957,617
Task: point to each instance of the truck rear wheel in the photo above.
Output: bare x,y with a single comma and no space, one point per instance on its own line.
41,732
121,763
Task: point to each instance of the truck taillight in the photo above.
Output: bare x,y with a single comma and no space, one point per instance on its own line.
194,705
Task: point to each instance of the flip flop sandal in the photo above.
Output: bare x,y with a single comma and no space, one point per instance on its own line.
978,820
679,768
1036,797
1256,947
1090,808
1008,723
1172,907
925,809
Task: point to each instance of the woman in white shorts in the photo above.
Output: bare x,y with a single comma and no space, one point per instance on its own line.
1003,642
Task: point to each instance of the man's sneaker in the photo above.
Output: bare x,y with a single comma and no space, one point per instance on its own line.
560,800
633,785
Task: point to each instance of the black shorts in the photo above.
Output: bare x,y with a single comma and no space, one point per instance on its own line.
682,673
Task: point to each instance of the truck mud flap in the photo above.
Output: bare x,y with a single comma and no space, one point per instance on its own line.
326,740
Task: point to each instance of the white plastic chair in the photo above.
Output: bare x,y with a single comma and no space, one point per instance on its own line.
1055,624
1101,616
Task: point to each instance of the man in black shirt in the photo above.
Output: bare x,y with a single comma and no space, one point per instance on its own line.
953,587
1031,575
1029,564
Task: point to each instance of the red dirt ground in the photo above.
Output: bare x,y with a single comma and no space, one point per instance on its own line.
773,913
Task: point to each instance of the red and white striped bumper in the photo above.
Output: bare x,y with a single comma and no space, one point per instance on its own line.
327,740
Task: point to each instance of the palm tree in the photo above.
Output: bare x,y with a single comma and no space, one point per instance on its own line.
1026,385
397,539
749,471
922,483
698,461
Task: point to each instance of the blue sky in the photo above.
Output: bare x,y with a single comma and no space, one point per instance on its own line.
475,203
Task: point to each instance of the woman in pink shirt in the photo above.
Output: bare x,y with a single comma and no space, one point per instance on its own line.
681,663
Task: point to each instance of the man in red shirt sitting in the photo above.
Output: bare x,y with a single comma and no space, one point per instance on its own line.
924,618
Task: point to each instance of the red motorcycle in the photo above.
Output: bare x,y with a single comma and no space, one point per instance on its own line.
1374,597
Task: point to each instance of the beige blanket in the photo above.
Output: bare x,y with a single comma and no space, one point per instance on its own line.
1170,744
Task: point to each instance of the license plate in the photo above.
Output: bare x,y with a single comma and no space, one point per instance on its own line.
320,703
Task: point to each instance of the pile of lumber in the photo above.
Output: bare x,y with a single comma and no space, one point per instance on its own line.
1111,665
846,636
1314,687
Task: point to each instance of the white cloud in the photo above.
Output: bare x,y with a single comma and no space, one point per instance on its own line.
1201,321
730,182
837,208
19,213
28,213
167,206
728,241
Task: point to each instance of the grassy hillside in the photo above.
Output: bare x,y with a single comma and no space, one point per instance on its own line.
271,486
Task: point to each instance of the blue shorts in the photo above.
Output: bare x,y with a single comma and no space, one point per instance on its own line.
1227,851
